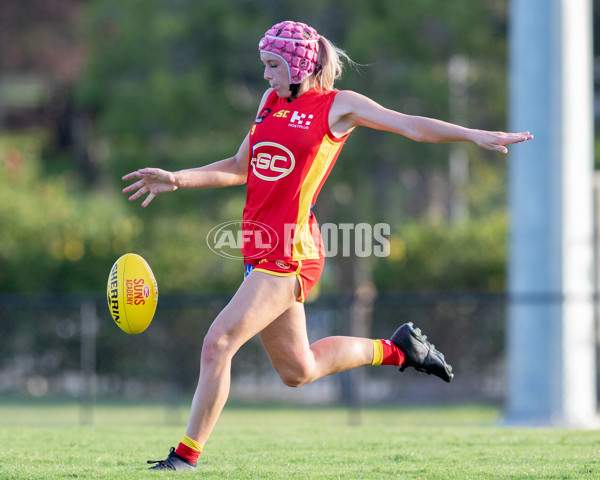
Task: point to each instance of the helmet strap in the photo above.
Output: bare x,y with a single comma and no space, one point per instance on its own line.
294,88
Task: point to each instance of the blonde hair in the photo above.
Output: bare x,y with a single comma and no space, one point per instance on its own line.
330,65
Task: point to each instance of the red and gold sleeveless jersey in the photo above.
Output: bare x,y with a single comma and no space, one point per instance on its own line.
292,151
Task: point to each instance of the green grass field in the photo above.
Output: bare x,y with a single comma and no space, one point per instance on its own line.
47,442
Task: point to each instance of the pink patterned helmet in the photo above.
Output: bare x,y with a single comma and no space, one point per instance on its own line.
295,43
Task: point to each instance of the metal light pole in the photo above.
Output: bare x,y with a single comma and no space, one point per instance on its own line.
551,332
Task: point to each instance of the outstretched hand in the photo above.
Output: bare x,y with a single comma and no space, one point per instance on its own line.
151,181
497,140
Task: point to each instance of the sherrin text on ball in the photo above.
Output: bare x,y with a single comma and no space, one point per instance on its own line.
132,293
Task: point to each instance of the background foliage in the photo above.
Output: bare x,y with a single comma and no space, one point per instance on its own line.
176,84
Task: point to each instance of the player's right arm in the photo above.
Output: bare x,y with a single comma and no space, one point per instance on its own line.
224,173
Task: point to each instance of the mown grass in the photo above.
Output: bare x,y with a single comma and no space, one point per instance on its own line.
47,442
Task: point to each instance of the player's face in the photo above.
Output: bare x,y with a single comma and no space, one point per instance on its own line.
276,73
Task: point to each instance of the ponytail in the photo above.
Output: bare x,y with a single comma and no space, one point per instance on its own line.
330,64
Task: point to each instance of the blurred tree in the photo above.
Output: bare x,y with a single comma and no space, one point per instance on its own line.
39,37
170,82
176,84
429,257
41,58
54,237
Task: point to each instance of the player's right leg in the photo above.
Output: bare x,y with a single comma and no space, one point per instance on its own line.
298,363
419,353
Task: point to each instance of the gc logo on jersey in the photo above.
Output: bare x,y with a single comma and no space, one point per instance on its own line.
271,161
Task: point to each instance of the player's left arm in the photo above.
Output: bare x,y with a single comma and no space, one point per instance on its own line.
351,109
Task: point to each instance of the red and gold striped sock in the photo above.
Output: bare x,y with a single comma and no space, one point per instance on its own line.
189,449
386,353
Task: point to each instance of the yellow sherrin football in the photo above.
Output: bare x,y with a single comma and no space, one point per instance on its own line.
132,293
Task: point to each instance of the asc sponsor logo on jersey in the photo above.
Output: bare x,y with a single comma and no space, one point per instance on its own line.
271,161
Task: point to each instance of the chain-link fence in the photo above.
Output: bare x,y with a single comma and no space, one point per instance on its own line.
69,346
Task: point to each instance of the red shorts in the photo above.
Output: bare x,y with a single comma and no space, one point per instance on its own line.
307,271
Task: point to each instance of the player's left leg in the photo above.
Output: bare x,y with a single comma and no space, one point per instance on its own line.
260,299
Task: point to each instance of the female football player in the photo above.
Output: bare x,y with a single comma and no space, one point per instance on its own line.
300,128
